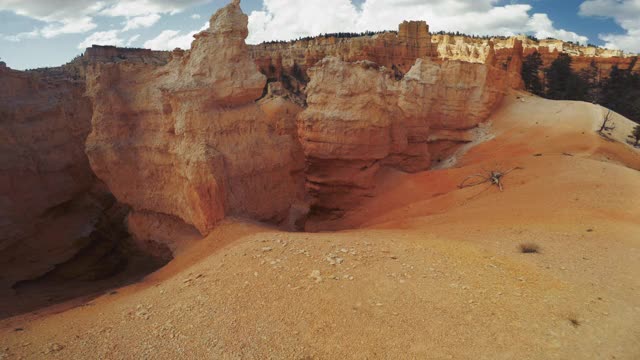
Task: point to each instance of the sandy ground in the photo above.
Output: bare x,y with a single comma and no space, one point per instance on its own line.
427,271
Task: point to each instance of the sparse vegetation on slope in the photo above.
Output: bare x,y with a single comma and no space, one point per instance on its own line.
620,91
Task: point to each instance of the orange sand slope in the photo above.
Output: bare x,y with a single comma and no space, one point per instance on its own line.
431,271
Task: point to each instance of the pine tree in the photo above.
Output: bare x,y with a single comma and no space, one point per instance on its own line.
621,93
590,77
562,82
635,135
531,73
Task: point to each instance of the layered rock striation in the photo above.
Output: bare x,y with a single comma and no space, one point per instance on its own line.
188,140
399,50
49,200
360,117
395,50
112,54
583,57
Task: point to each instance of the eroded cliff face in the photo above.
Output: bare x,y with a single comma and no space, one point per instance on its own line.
49,201
204,136
360,117
188,139
395,50
399,50
479,50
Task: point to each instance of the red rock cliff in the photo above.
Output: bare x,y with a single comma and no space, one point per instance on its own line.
399,50
360,117
188,139
191,137
390,49
46,215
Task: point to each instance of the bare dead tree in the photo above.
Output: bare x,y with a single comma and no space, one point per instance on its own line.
493,177
605,121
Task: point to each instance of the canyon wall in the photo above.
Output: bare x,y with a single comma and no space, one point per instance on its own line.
52,207
49,199
360,117
393,50
112,54
188,139
399,51
478,50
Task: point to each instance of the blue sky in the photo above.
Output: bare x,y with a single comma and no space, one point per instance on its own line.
36,33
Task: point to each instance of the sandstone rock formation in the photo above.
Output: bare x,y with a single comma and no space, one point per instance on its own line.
360,117
399,50
451,47
46,212
109,54
188,140
478,50
391,49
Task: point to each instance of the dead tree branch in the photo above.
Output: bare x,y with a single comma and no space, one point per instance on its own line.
494,177
605,121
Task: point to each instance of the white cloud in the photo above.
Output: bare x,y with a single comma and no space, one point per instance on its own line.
288,19
171,39
102,38
542,27
144,7
195,16
23,35
143,21
52,11
57,10
468,16
74,26
625,13
54,29
132,39
76,16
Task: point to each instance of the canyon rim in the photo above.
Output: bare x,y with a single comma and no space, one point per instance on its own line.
311,199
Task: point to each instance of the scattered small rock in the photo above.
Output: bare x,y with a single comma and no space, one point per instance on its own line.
53,348
315,274
333,259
